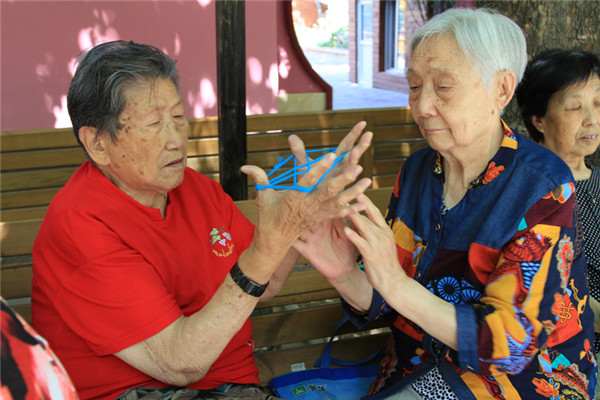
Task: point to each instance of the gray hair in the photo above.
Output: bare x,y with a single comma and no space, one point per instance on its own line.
490,41
97,94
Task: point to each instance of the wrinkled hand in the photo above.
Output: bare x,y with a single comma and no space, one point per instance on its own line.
283,215
328,249
346,145
375,241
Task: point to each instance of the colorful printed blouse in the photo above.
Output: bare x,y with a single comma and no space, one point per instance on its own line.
509,257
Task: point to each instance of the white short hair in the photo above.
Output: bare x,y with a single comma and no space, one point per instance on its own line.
490,41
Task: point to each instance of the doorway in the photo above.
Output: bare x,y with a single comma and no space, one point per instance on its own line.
364,34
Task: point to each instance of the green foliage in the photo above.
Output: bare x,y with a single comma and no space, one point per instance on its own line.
338,38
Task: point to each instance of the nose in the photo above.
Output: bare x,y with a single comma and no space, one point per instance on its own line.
422,102
592,115
178,132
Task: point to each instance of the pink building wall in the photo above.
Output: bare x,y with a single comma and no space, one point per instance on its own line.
40,40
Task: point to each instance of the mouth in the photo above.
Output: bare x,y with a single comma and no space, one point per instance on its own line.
590,138
431,129
175,163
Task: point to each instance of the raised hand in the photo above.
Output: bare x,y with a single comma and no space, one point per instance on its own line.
328,249
375,241
346,145
284,215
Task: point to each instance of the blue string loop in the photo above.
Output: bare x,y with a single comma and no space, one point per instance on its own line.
297,171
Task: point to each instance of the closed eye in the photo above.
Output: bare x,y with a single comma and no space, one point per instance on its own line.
573,108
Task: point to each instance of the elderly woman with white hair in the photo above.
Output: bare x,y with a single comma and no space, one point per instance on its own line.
477,267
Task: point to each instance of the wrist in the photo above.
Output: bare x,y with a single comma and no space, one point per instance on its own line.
246,284
352,273
257,265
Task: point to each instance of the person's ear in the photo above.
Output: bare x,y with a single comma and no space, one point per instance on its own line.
505,88
538,122
93,144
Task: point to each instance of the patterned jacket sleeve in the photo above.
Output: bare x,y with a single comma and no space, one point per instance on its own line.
533,284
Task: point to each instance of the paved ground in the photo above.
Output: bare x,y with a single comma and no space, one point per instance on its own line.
334,69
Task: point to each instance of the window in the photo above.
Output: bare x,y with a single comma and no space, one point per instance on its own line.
394,35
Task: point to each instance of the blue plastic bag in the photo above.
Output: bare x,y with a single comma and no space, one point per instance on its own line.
350,382
347,383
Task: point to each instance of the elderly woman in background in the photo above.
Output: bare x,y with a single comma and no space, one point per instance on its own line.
478,266
559,98
144,271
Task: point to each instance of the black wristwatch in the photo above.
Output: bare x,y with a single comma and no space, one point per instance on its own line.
245,283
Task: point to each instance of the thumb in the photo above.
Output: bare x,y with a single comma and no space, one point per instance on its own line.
256,173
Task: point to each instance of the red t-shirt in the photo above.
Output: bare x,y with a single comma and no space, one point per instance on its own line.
109,272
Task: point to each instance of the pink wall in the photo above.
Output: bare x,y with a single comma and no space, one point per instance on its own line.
295,73
40,40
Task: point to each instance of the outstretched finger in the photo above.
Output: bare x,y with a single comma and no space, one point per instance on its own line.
256,173
372,211
349,140
360,148
298,149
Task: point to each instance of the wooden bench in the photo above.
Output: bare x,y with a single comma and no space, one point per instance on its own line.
291,329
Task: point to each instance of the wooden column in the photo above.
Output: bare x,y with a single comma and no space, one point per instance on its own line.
231,92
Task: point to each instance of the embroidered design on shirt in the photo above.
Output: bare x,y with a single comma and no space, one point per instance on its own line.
222,238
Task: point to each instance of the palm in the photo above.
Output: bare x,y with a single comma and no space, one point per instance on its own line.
328,249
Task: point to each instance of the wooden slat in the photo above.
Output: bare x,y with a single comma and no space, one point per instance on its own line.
384,181
204,127
304,285
396,150
20,214
382,133
37,139
18,237
27,198
36,179
203,146
319,119
29,159
16,281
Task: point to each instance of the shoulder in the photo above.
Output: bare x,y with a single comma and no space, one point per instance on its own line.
538,164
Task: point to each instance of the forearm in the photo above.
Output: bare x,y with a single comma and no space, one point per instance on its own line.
434,315
355,290
183,352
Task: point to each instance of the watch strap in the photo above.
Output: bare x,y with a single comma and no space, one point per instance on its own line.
245,283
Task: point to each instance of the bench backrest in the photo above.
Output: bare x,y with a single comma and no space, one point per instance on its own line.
36,164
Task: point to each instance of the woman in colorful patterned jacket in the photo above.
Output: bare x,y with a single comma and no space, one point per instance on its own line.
478,266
